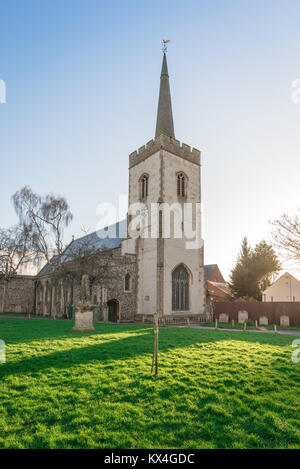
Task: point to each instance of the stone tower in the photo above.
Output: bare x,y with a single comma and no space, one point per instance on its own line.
164,180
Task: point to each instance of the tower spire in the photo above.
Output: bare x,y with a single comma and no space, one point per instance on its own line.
164,122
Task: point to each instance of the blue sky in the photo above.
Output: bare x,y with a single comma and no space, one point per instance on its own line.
82,83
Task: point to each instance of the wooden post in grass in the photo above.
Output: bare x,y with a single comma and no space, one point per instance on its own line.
143,319
256,324
155,350
188,322
275,328
29,316
232,323
245,325
216,326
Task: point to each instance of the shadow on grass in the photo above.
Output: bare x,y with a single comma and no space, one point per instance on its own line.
122,348
14,331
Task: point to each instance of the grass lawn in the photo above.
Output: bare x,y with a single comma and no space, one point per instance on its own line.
215,389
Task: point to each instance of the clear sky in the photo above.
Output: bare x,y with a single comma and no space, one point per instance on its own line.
82,83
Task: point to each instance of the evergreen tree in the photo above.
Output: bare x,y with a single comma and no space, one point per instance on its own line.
253,270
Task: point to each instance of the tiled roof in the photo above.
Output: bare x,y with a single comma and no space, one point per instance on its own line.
101,240
208,269
221,286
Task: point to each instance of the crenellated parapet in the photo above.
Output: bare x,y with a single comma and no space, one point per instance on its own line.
164,142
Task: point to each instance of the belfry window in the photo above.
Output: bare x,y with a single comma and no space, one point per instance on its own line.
144,184
180,289
127,282
181,185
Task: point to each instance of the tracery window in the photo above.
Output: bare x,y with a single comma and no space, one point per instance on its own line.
180,289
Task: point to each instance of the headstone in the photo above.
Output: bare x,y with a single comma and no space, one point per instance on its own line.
83,321
284,321
263,321
2,351
242,316
223,317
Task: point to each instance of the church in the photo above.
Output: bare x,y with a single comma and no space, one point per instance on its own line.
140,274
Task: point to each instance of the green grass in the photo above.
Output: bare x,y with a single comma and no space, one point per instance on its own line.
215,389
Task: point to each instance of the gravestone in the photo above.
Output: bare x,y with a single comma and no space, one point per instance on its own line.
223,317
84,320
263,321
242,317
284,321
84,312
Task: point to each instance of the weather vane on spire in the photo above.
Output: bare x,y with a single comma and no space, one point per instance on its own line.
165,47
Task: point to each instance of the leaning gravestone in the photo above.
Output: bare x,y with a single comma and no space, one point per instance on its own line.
223,317
284,321
84,312
242,316
263,321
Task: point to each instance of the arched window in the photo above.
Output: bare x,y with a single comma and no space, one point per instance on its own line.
181,185
127,283
180,289
144,183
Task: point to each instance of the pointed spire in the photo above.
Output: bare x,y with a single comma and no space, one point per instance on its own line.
164,123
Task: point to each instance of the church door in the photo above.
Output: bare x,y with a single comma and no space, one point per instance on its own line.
113,310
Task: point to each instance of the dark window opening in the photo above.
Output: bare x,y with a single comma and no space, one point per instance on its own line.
144,186
181,185
127,282
180,289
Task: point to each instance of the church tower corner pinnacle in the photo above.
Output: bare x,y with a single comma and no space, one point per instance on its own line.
164,122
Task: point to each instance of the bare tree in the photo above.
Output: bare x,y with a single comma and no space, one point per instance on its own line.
286,237
46,217
87,256
15,251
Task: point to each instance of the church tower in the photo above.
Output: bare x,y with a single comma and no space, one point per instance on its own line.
164,181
